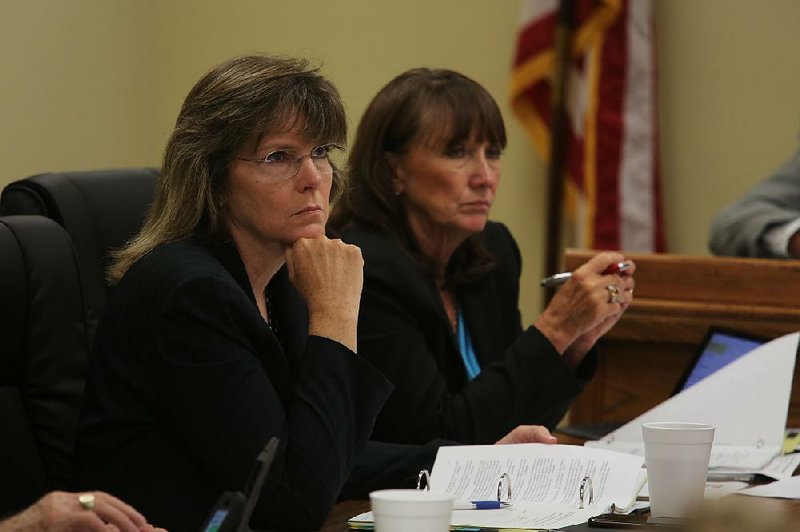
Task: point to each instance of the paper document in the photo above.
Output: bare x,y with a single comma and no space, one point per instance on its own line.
747,401
545,483
713,490
786,489
779,468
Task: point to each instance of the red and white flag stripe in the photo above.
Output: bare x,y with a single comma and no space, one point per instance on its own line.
613,192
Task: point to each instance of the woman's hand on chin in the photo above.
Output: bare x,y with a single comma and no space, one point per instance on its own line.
329,274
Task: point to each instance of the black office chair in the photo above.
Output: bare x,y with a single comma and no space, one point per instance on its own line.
100,210
43,358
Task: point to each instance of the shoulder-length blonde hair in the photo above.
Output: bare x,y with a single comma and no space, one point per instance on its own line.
253,95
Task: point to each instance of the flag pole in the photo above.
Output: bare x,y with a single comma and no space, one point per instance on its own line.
559,124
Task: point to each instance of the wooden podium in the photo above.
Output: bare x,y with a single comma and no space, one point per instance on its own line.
677,298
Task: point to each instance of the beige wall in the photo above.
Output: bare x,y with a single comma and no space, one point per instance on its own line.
97,83
76,89
729,104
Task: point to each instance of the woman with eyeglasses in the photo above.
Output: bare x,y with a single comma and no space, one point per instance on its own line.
439,311
233,318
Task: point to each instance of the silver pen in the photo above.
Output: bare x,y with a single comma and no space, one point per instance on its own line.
731,476
563,277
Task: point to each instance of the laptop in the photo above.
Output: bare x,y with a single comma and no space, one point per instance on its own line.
232,511
719,347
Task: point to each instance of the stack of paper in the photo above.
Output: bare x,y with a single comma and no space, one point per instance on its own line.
545,483
784,489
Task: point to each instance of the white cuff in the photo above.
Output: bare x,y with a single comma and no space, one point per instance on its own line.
777,237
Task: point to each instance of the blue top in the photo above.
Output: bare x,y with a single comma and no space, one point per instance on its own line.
465,347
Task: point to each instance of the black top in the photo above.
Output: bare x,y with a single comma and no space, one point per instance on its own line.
404,331
188,382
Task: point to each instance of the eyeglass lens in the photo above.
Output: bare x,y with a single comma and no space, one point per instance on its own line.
326,159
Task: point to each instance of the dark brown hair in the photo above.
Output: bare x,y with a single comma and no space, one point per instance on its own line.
241,99
421,105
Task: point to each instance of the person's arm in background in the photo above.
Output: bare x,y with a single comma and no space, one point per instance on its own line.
764,223
784,240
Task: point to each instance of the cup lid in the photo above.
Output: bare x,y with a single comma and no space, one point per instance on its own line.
677,432
410,495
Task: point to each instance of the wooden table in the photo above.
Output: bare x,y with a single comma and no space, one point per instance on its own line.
337,520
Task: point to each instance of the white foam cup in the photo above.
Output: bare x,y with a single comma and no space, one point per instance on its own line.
676,455
409,510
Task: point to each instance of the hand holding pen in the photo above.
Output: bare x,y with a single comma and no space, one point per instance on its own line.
561,278
593,300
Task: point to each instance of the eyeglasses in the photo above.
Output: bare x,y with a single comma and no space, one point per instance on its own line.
282,165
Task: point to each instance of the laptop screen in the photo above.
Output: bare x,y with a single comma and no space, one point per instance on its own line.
719,348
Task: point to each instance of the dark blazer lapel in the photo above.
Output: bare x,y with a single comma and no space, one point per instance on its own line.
438,304
290,318
277,365
482,316
449,358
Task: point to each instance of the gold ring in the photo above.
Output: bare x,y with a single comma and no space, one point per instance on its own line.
613,293
86,500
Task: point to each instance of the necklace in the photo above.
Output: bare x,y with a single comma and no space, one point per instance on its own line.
272,321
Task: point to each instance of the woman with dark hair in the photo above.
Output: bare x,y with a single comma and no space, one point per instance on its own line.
234,317
439,314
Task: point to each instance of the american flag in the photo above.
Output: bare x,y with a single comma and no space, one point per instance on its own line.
612,191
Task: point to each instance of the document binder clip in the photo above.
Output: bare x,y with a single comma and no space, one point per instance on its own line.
503,485
504,488
586,492
427,476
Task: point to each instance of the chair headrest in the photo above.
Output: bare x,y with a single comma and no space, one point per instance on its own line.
101,210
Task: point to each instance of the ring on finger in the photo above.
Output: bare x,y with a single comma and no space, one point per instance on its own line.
86,500
613,293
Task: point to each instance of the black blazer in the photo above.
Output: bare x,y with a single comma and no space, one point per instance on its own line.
187,383
404,331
